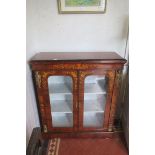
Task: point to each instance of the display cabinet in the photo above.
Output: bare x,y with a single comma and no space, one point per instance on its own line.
77,93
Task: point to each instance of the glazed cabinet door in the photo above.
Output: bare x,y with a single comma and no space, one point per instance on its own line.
95,96
59,100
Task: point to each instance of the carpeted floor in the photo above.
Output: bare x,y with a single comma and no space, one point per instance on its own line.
93,146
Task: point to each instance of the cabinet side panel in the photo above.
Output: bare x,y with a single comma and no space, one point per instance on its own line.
111,78
38,97
115,99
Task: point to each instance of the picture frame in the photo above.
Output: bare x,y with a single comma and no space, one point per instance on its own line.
81,6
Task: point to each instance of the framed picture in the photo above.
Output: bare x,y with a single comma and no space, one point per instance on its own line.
82,6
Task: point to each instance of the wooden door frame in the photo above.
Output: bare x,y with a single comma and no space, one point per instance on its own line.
82,74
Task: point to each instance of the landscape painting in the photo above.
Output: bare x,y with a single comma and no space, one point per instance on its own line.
82,2
82,6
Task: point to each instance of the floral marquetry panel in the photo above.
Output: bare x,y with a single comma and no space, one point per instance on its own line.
45,75
76,66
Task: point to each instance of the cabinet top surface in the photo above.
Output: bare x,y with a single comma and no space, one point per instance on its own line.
77,56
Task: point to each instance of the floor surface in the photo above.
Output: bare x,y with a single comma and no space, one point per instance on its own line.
93,146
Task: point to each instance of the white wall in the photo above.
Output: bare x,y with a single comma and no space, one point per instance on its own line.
49,31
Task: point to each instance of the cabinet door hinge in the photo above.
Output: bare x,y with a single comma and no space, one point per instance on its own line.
45,128
38,79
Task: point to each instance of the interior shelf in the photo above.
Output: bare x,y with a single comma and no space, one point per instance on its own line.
94,102
60,88
62,120
94,88
91,88
93,106
93,119
61,99
63,106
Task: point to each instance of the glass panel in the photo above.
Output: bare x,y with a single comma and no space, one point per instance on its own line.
94,100
61,100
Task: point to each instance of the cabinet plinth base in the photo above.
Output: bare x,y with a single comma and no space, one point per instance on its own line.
81,135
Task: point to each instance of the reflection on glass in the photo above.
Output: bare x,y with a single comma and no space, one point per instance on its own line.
94,100
61,100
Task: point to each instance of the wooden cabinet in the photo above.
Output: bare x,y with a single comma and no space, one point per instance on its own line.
77,93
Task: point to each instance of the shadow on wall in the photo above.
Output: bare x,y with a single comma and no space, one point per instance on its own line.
125,27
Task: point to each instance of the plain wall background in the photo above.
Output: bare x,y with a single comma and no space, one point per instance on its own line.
47,30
